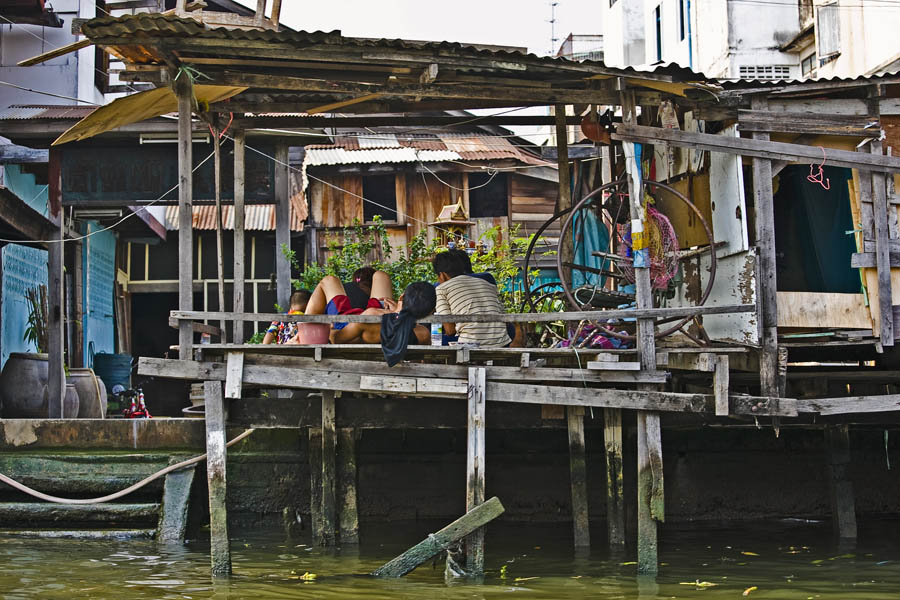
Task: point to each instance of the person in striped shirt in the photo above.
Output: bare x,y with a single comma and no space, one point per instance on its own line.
459,294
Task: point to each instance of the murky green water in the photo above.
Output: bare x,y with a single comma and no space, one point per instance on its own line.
779,560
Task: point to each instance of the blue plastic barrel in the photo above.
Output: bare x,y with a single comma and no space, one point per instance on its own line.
113,369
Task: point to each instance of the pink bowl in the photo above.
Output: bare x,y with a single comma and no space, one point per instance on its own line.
313,333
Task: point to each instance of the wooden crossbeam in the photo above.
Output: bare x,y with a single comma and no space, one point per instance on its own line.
758,148
643,313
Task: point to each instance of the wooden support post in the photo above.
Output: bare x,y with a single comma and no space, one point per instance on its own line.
184,92
329,496
220,551
649,452
234,375
578,477
239,243
766,298
220,258
565,186
615,486
475,466
880,209
472,521
282,226
56,383
348,515
173,513
843,505
720,385
315,484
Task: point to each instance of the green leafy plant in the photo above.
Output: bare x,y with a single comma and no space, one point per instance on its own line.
36,329
257,338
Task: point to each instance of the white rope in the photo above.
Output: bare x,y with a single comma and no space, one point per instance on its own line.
185,463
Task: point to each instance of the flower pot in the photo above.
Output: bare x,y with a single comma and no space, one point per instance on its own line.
91,400
23,385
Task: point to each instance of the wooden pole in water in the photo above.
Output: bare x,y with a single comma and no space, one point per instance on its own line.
348,516
220,258
185,93
329,504
578,477
475,466
843,504
315,485
615,486
649,452
220,550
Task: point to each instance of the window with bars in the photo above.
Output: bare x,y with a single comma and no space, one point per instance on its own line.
772,72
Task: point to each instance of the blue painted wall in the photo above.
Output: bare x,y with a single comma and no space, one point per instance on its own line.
99,272
21,268
23,185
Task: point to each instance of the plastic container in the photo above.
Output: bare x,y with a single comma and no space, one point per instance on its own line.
437,334
113,369
309,334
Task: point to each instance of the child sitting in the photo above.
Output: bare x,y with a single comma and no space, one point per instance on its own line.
279,332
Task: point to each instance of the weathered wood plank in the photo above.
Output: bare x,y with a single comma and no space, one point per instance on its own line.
348,514
240,148
578,477
234,375
328,467
882,252
648,313
849,405
220,549
14,154
437,542
757,147
615,492
720,385
185,93
173,514
806,123
603,365
475,464
651,506
704,362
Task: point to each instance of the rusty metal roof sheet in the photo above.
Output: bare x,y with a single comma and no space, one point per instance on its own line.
341,156
150,25
18,112
257,217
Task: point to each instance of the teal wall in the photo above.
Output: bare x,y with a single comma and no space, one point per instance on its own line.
23,185
99,273
21,268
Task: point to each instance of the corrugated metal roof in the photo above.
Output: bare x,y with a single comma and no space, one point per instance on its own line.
341,156
170,26
257,217
18,112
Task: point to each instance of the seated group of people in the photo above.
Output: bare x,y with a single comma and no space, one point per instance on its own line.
458,291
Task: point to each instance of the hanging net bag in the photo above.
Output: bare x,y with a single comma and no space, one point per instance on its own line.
662,246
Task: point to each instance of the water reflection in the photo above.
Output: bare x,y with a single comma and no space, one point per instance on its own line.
780,561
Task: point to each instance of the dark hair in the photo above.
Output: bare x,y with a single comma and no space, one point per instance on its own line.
300,296
363,277
462,257
447,262
419,299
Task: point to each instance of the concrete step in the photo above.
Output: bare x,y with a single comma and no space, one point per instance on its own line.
90,534
48,512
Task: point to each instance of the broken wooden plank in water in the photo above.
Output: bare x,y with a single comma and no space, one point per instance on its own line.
435,543
850,405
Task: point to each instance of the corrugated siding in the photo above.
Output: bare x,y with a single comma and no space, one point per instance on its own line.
340,156
21,268
257,217
38,111
99,273
533,202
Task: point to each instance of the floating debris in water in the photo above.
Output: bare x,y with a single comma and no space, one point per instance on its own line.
698,583
520,579
748,553
752,588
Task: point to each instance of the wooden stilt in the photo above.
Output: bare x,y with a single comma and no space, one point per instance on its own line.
578,477
282,226
220,258
843,504
239,243
649,451
348,516
475,467
720,385
56,383
315,484
173,513
615,495
184,92
329,503
220,550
